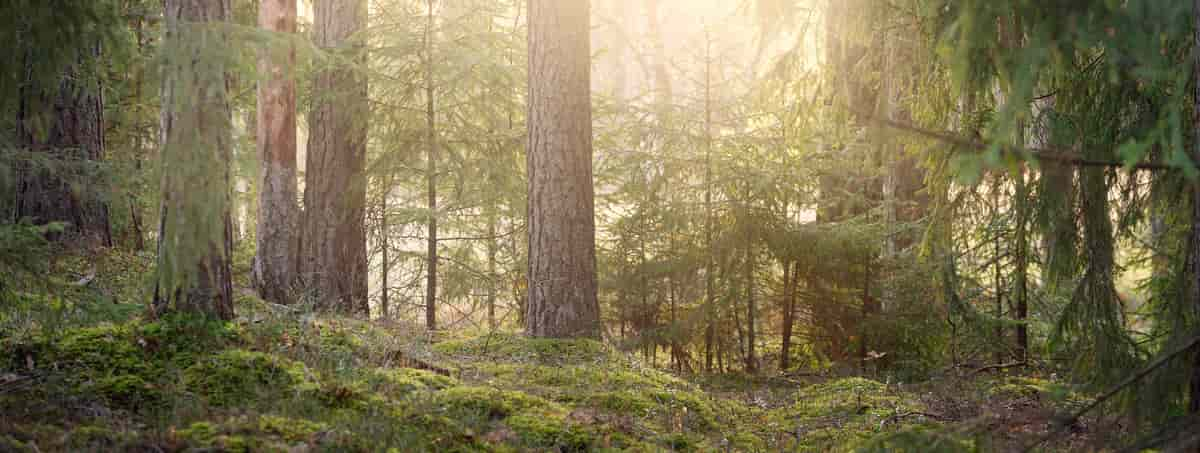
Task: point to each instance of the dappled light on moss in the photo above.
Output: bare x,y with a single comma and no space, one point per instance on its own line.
234,376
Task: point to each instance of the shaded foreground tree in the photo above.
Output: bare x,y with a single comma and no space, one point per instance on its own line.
278,215
334,250
195,232
562,232
71,137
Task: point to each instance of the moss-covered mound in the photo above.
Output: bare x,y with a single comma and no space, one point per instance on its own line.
284,380
236,375
844,412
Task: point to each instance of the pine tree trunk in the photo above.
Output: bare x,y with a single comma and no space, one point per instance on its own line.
562,242
431,178
75,136
791,277
334,254
195,231
275,266
492,247
710,309
1194,404
751,308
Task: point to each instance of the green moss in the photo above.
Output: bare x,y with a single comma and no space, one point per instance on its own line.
489,401
9,444
520,348
402,381
205,435
744,441
839,413
236,376
95,438
126,390
101,351
548,431
680,441
622,402
919,439
178,340
290,429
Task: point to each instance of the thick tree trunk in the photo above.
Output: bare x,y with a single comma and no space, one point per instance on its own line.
275,266
562,233
75,137
334,254
195,231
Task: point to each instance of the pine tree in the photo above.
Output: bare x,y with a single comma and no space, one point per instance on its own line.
195,229
333,251
278,215
562,249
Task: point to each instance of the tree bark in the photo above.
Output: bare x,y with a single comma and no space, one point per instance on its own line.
710,309
75,137
1194,403
195,235
791,277
275,265
562,233
751,308
334,260
431,178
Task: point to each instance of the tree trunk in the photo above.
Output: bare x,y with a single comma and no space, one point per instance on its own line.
492,247
791,277
334,260
385,267
195,230
75,136
431,177
1022,263
1194,404
710,309
562,242
751,308
275,266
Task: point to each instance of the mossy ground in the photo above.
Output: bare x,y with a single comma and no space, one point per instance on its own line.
77,377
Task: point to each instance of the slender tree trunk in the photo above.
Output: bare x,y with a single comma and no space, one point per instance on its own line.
998,275
431,177
195,232
275,265
491,270
334,260
385,302
791,276
75,136
751,308
562,241
1022,265
1194,404
710,308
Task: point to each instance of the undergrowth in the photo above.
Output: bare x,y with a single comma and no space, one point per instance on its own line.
86,371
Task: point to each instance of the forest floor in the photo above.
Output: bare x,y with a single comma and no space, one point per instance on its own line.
81,369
